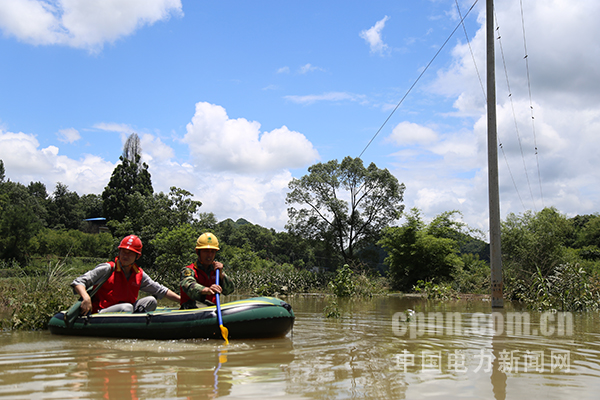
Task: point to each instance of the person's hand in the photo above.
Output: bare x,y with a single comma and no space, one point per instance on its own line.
86,304
212,289
217,265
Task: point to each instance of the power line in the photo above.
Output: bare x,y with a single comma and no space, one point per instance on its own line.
526,57
514,114
417,80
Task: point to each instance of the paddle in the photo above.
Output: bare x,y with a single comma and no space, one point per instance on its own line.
224,331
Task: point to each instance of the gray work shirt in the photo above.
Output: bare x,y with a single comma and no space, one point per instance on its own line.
97,274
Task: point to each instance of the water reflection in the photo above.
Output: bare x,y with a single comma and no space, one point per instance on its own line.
449,350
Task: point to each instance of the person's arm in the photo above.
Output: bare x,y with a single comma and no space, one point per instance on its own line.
156,289
192,288
172,296
86,300
81,284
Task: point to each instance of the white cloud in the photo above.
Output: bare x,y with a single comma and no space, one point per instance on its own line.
69,135
406,133
81,24
451,172
330,96
154,148
373,36
25,162
259,198
309,68
283,70
219,143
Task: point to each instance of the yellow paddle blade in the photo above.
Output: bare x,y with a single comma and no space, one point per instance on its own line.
223,357
224,333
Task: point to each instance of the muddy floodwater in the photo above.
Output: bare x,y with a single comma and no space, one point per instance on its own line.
384,348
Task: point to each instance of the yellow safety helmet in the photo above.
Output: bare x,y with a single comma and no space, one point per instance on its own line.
207,241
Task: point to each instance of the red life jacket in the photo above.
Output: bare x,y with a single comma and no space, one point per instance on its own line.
203,279
117,289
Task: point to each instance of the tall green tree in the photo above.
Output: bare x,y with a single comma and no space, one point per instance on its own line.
19,220
64,211
344,204
129,177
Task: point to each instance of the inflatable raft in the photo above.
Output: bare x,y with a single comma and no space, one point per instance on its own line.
259,317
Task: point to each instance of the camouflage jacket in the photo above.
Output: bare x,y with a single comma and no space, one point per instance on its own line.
191,289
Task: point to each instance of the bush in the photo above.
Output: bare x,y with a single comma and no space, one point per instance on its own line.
568,288
348,283
30,301
435,291
72,243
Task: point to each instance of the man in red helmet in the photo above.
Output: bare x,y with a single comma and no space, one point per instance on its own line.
121,282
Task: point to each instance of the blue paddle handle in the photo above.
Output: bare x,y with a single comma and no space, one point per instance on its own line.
218,300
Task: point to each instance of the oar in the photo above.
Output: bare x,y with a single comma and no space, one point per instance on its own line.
224,331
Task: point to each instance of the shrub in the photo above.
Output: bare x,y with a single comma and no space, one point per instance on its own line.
30,301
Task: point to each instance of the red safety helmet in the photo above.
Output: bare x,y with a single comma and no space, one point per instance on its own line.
132,243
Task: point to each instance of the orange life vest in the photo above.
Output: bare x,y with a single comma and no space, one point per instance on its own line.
117,289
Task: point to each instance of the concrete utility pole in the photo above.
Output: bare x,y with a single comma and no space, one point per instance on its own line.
494,196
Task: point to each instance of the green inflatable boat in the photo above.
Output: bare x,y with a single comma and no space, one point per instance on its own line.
258,317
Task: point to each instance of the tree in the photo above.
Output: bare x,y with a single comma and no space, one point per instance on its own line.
150,215
64,210
132,148
19,220
344,204
91,205
127,178
535,242
175,249
422,252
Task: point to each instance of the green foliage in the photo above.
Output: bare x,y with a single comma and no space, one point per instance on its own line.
20,220
567,288
417,252
343,285
73,243
332,310
534,241
588,233
471,276
175,249
541,269
30,301
348,283
91,205
127,178
150,215
435,291
345,226
279,247
63,210
282,280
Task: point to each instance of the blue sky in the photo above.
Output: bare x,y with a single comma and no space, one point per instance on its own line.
232,99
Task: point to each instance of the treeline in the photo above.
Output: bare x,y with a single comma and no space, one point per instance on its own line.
549,260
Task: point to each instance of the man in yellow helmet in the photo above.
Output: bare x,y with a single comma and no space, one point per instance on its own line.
198,279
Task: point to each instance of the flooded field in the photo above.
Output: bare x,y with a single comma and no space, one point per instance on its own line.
384,348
